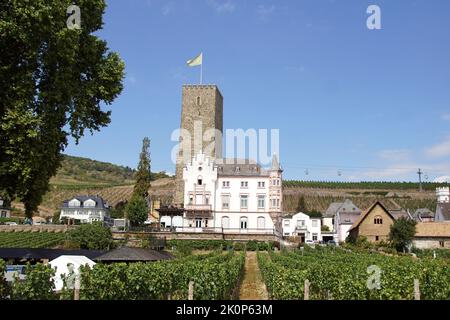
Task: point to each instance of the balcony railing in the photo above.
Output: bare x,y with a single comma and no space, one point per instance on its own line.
199,207
301,228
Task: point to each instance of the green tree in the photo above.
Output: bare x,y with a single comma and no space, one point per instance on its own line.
37,285
53,83
402,232
143,173
301,205
91,236
137,211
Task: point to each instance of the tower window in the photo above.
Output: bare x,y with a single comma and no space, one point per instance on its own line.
199,182
199,101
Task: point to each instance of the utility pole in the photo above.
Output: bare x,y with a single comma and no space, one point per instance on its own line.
420,172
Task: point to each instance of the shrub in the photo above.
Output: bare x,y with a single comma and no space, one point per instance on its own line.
91,236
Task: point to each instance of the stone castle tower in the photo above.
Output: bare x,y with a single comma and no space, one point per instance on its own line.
202,118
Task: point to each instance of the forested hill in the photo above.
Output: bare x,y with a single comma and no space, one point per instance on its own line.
83,172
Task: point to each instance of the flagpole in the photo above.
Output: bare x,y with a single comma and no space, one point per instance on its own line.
201,73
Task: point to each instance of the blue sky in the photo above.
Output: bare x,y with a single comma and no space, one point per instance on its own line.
372,104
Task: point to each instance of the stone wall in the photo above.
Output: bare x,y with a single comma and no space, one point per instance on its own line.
134,237
36,228
199,103
431,243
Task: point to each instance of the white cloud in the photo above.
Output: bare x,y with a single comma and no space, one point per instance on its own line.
265,11
446,116
399,155
439,150
167,8
222,6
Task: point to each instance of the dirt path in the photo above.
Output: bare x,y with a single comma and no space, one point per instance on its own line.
252,286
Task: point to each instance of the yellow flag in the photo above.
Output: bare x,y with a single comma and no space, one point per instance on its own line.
197,61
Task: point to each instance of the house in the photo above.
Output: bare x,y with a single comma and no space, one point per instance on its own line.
85,209
336,207
342,224
424,215
374,224
432,235
5,208
69,267
302,226
231,196
443,205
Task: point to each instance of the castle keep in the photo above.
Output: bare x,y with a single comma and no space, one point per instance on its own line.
202,107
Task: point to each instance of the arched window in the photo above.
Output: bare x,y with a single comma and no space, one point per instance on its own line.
199,101
244,223
225,222
378,220
262,223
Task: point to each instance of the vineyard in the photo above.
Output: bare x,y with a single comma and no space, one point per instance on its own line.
371,185
30,239
341,275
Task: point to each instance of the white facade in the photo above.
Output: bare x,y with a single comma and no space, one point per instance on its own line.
85,209
302,225
230,198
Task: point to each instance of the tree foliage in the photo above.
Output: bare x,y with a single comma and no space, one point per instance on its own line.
53,82
91,236
137,211
402,232
143,173
37,285
3,284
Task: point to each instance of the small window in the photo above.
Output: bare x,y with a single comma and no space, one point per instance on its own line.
199,101
199,182
244,184
378,220
377,238
287,223
441,244
200,168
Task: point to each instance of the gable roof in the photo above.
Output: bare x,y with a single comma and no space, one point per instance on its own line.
433,229
346,206
99,202
366,213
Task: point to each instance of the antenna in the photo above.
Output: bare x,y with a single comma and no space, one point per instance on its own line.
420,172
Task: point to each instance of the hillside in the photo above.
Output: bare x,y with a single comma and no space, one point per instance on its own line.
82,172
81,176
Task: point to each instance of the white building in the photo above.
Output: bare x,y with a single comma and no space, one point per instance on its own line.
302,226
230,196
85,209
